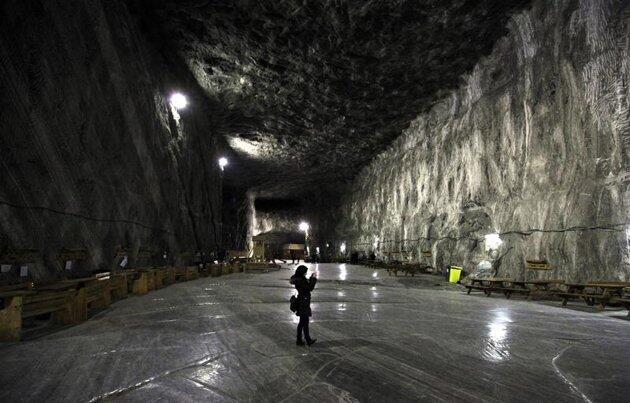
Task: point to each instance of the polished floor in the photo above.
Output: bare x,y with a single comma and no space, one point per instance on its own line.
381,339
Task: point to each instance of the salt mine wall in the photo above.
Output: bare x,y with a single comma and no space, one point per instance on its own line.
533,146
92,154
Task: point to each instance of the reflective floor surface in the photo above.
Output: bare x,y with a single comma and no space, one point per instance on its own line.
381,339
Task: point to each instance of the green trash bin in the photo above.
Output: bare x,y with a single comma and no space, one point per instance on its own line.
454,274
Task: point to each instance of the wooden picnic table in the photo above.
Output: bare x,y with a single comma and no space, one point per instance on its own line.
505,285
539,287
601,290
610,288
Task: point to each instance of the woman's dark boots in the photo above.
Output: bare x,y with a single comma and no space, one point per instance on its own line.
309,341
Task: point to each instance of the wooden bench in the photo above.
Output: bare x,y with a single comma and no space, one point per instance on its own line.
118,286
23,304
543,288
623,301
91,293
140,283
180,273
377,264
161,277
204,270
608,292
98,293
216,270
149,274
137,281
192,273
393,267
505,285
594,291
170,275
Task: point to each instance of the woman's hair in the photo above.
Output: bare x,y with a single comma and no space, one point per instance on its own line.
301,270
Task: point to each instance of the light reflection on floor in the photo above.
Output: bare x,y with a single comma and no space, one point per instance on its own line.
497,347
380,339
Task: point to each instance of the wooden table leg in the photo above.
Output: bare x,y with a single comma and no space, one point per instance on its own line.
140,285
11,320
80,305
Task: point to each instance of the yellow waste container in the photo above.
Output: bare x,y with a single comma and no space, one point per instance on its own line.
454,273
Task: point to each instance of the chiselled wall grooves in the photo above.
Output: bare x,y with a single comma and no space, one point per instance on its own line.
535,138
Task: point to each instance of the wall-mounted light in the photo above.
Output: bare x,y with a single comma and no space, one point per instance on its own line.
492,241
304,226
223,162
342,248
178,101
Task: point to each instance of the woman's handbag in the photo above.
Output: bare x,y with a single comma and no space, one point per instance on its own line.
293,303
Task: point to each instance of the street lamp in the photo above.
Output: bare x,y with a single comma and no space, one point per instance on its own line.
304,226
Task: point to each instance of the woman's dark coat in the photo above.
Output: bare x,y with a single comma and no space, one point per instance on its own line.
304,287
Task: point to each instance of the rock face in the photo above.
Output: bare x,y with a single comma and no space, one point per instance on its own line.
533,147
93,156
312,90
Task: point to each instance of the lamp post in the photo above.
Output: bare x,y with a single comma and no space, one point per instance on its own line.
304,227
223,162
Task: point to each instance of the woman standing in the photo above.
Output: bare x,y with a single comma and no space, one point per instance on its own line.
304,287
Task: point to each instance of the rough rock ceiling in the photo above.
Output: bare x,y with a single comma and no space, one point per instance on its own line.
314,89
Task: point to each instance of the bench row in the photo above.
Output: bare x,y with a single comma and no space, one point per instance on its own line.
69,301
602,293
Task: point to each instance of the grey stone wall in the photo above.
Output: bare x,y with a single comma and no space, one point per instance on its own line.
533,146
92,155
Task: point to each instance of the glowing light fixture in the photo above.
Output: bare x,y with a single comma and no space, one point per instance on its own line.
493,241
223,162
342,248
178,101
304,226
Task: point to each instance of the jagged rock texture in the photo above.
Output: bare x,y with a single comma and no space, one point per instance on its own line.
538,137
87,132
314,89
